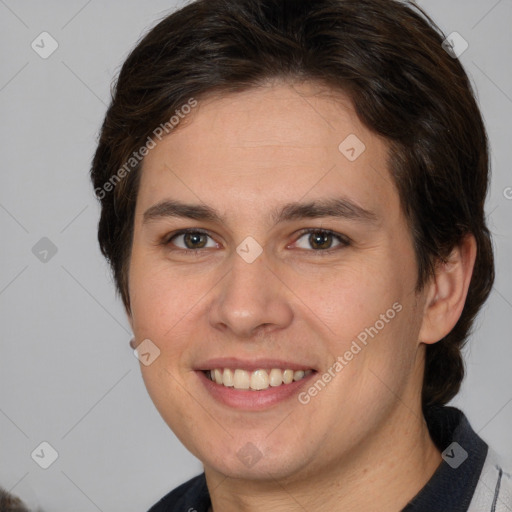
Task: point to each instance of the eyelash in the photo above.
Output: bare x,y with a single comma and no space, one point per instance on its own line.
343,240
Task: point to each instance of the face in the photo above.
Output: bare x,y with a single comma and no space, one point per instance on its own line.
297,263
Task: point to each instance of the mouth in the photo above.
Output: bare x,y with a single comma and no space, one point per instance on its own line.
253,384
256,385
255,380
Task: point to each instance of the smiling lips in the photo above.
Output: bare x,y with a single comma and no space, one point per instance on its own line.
256,380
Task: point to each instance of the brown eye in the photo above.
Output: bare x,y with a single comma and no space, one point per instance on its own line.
195,240
192,240
321,240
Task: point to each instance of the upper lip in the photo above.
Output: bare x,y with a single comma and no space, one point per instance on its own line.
251,364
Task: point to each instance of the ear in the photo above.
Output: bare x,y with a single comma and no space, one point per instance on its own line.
446,293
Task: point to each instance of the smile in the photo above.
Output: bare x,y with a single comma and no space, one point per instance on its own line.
257,380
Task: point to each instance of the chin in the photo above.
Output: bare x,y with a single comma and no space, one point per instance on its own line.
258,461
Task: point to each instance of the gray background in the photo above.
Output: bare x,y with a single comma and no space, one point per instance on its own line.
67,374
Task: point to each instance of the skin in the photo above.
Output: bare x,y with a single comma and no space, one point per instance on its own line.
362,437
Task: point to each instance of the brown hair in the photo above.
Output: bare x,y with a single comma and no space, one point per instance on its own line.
386,55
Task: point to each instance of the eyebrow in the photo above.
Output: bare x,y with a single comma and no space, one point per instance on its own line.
333,207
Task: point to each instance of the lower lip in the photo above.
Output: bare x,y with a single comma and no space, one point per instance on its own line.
253,400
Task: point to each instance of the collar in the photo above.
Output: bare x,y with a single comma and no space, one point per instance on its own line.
453,484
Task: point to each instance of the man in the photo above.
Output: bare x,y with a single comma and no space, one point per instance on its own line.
293,207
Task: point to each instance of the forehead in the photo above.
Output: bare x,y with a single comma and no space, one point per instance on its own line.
267,146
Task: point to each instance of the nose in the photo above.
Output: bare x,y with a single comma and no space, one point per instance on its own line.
250,300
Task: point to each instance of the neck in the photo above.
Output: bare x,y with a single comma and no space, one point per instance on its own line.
392,466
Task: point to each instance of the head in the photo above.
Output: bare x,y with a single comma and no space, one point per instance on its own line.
263,113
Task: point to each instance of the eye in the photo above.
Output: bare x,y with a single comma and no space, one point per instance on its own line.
321,240
190,240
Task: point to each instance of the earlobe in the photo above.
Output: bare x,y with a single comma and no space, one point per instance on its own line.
447,291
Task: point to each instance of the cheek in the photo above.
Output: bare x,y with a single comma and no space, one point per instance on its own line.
375,322
159,298
388,351
174,404
354,297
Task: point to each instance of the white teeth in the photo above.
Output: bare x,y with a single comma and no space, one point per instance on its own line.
241,379
259,380
298,375
287,376
228,378
256,380
275,377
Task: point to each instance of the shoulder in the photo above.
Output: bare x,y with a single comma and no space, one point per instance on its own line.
494,489
192,496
